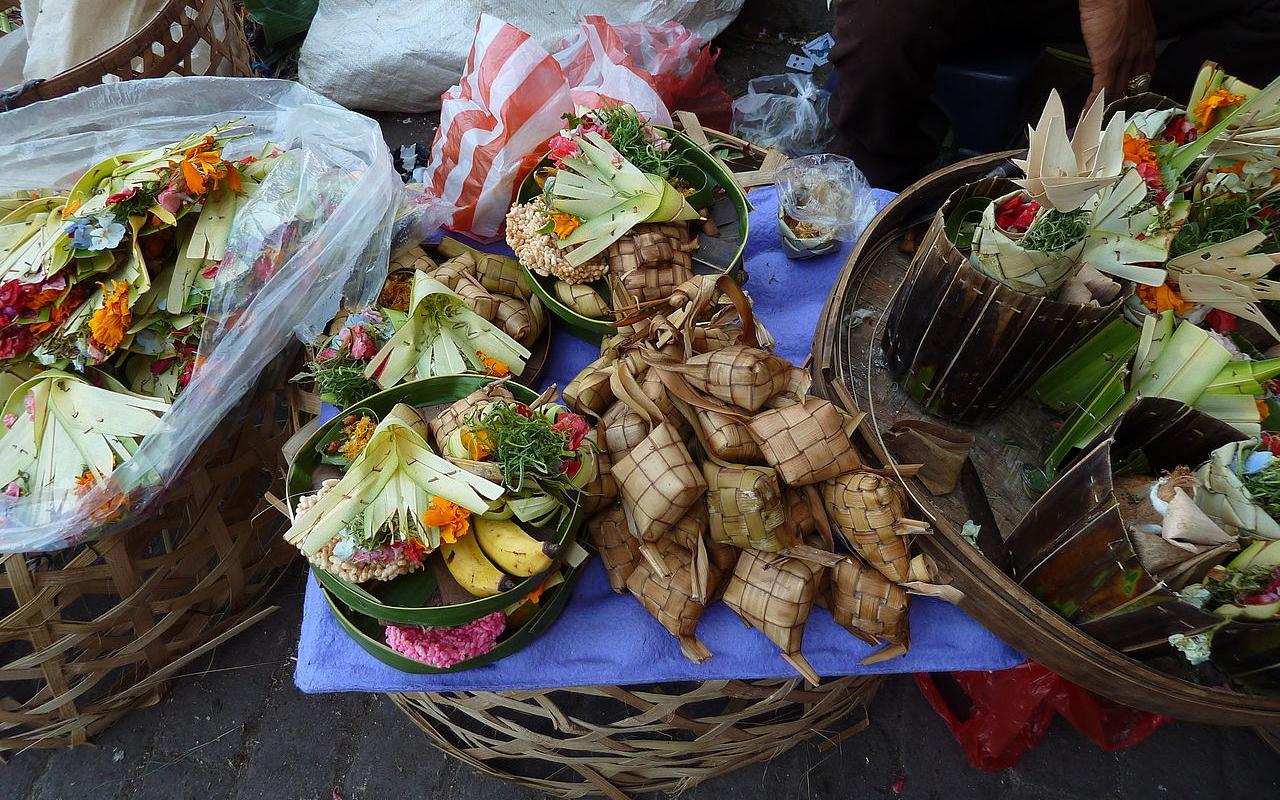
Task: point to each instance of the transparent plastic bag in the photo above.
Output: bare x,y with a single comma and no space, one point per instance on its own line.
785,112
317,230
827,192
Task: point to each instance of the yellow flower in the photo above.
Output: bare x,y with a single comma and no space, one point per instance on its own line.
452,519
1210,103
493,366
564,224
477,443
109,323
357,435
71,207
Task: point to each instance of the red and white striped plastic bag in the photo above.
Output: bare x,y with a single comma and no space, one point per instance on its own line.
495,124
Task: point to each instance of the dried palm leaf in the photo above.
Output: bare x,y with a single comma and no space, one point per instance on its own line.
589,391
602,490
742,376
869,605
477,298
807,442
619,550
1230,277
668,599
775,594
658,482
624,429
746,507
870,512
651,261
727,438
583,299
1064,173
451,271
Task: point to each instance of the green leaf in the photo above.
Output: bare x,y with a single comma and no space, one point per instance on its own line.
281,19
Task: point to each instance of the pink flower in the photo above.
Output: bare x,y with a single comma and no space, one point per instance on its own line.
29,403
574,427
157,367
120,197
14,343
445,647
171,198
361,345
563,147
327,354
10,420
14,489
210,272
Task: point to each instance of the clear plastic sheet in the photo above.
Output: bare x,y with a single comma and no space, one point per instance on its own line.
318,229
828,192
786,112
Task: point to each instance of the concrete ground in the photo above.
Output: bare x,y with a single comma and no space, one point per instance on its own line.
235,728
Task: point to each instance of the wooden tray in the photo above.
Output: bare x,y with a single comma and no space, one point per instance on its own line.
849,369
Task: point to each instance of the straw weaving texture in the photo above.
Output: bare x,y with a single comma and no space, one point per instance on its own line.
658,482
478,298
652,260
806,442
163,46
89,633
866,508
864,600
728,439
774,594
448,273
604,489
623,432
589,392
618,741
619,550
742,376
746,506
582,299
668,599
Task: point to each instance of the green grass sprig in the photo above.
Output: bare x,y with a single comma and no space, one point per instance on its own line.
1057,231
526,448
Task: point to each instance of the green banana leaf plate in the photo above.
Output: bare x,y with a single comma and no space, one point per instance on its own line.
718,254
370,634
404,599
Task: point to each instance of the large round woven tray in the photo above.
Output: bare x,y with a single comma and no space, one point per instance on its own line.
89,633
849,369
163,46
615,741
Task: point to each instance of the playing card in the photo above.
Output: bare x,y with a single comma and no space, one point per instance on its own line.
819,50
799,62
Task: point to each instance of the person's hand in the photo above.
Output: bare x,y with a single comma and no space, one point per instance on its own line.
1120,36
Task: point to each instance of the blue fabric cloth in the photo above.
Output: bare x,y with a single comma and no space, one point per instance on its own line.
604,638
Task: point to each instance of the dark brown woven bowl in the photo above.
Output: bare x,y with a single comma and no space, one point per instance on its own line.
162,47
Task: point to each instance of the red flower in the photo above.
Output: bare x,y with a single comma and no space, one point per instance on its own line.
1016,214
120,197
15,342
361,345
1180,130
562,147
570,467
574,427
158,367
1221,321
523,410
1271,442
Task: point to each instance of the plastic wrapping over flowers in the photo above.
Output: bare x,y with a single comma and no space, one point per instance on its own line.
317,226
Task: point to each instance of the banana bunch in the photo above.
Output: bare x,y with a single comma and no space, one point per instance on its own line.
495,554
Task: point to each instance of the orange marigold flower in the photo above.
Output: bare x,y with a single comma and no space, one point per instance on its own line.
1137,150
109,323
477,443
1264,410
536,594
203,169
1209,104
1236,168
452,519
564,224
85,482
71,207
1163,298
493,366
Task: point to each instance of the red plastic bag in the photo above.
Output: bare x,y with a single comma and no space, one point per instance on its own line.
682,69
1012,708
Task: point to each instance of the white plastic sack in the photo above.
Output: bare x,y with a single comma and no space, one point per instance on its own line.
785,112
389,55
340,245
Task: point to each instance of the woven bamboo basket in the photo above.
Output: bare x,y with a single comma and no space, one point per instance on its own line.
169,44
614,741
89,633
965,344
849,369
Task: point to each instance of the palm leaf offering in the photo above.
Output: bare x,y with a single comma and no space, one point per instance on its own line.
443,336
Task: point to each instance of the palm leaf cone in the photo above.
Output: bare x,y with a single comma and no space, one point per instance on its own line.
870,512
728,439
589,392
651,261
807,442
583,299
457,414
870,606
480,299
451,271
669,598
619,550
774,594
623,429
742,376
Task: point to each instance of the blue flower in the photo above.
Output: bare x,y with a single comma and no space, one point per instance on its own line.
107,234
79,232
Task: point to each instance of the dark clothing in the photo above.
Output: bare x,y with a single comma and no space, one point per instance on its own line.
887,52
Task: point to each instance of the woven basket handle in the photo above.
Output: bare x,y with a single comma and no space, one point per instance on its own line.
741,302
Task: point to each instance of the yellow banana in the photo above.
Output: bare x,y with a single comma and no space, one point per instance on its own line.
472,570
516,552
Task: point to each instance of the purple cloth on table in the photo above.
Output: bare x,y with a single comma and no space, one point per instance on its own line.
604,638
